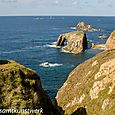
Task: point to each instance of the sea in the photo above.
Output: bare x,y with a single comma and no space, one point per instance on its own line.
28,40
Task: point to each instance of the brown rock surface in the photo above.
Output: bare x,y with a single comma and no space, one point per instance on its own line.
81,26
76,41
90,87
110,44
99,46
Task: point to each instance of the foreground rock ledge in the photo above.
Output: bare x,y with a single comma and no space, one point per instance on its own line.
20,87
76,41
90,87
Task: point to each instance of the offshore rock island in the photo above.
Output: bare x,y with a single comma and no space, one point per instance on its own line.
76,41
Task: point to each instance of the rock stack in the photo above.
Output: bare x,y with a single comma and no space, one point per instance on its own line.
76,42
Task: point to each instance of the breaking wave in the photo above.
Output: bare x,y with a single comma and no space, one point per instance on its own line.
47,64
52,46
73,28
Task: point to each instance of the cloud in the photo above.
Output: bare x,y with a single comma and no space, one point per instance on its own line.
67,7
8,1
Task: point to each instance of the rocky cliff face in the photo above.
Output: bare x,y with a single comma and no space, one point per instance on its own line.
20,87
110,44
76,42
90,87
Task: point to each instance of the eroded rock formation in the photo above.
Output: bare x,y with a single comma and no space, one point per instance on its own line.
74,42
81,26
21,88
90,87
110,44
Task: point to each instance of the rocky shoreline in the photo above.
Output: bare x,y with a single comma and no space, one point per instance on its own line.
89,89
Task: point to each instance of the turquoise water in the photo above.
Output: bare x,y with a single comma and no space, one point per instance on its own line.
27,40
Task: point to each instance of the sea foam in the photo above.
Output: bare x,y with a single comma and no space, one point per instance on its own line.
73,28
47,64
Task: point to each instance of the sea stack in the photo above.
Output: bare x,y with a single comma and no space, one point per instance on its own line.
81,26
90,87
20,88
73,42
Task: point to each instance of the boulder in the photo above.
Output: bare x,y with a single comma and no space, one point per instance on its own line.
20,88
90,87
74,42
99,46
110,44
103,36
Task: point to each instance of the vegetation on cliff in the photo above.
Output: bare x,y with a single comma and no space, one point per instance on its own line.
20,88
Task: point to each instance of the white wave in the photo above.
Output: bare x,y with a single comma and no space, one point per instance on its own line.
47,64
62,50
38,18
90,41
52,45
73,28
21,50
13,51
32,47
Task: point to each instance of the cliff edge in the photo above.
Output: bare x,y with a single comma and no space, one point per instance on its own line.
20,88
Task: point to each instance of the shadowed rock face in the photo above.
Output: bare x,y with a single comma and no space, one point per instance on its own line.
110,44
76,42
90,87
20,87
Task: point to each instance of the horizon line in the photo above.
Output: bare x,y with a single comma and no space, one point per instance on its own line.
63,15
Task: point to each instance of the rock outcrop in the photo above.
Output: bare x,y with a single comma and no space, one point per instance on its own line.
99,46
90,87
81,26
74,42
20,88
103,36
110,44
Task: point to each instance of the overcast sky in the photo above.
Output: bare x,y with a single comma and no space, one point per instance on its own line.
58,7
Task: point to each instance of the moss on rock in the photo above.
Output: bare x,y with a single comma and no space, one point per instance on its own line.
20,88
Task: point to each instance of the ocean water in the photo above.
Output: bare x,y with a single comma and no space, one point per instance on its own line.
28,41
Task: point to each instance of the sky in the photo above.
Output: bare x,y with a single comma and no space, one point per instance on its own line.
57,7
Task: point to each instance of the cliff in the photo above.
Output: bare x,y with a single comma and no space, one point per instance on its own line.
110,44
74,42
90,87
20,88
